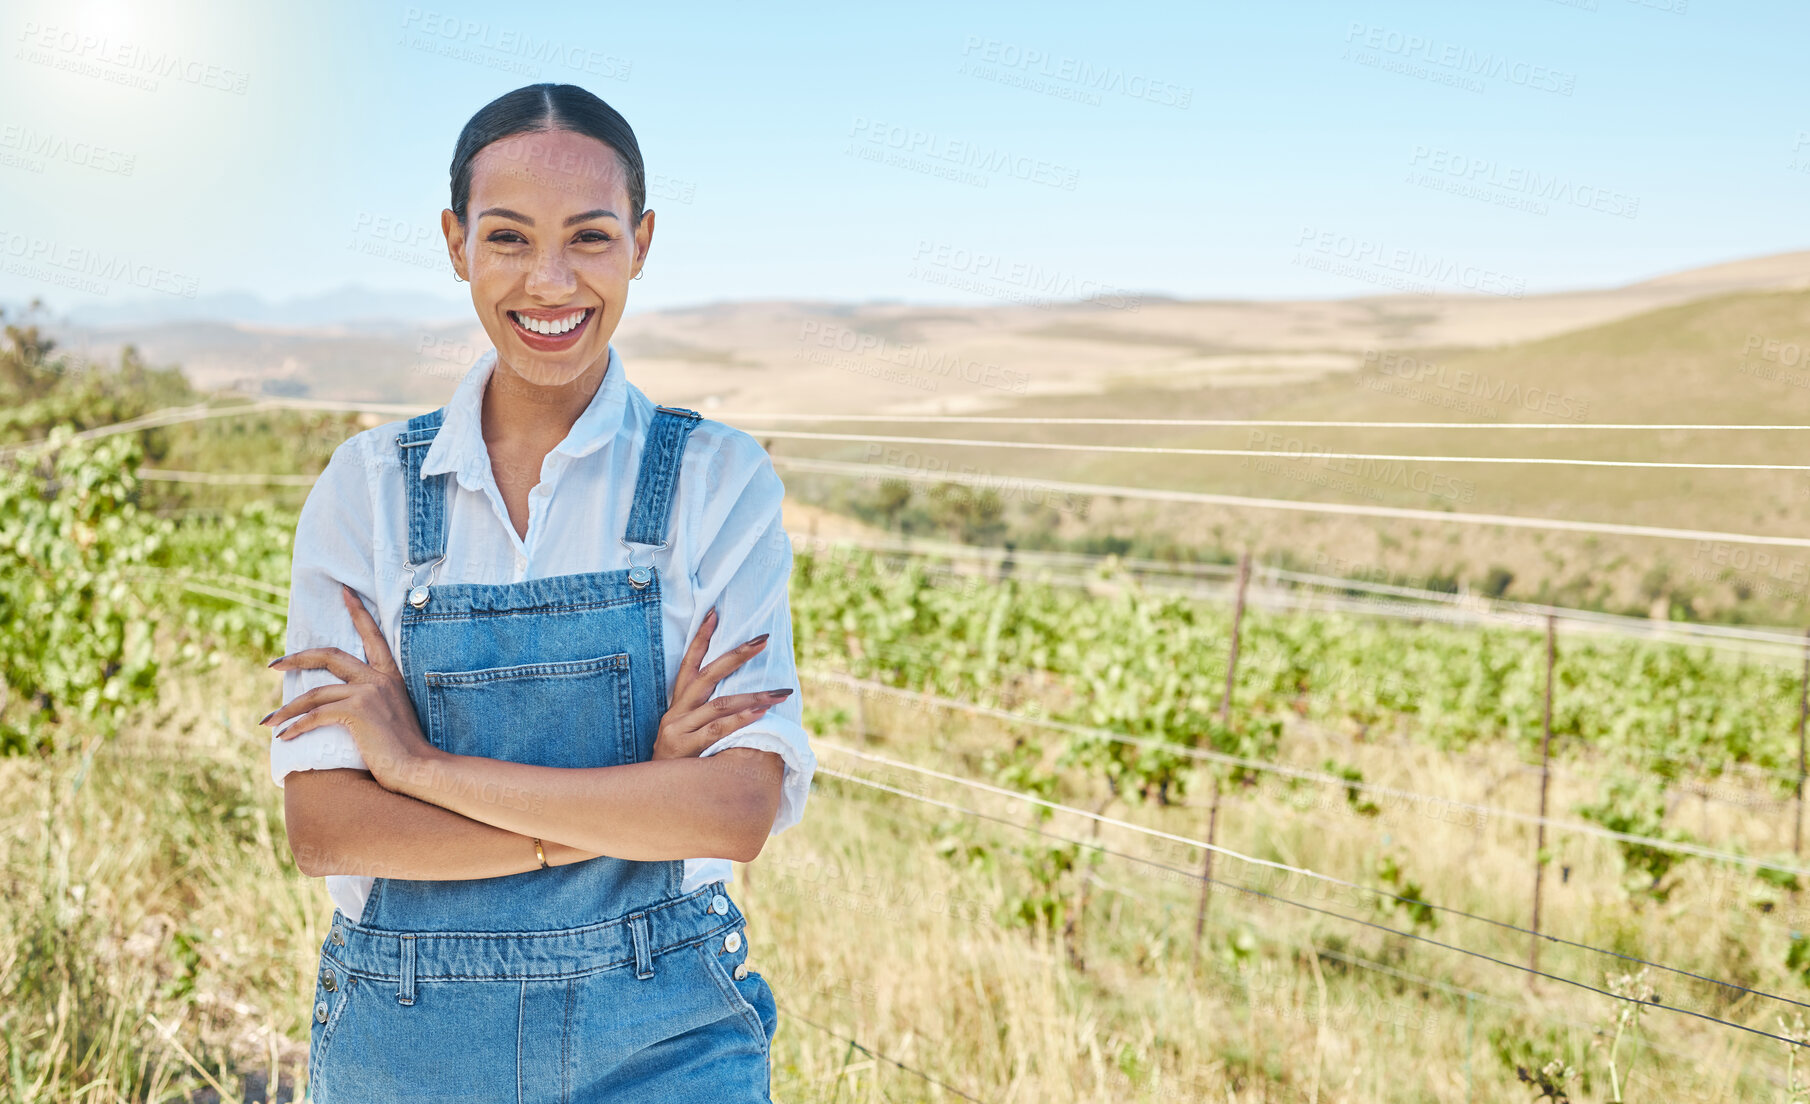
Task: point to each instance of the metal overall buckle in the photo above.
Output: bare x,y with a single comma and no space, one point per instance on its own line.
418,587
639,575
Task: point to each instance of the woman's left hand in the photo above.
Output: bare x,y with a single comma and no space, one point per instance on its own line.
372,701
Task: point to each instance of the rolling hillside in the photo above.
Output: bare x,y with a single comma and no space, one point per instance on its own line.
1718,344
1703,361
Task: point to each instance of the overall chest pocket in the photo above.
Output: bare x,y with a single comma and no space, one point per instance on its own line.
573,713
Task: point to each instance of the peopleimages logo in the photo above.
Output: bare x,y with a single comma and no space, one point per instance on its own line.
859,346
872,137
1788,353
1458,61
977,481
1528,189
1352,255
1018,281
85,269
1478,385
1772,359
1754,563
28,147
1392,473
1070,77
463,36
120,60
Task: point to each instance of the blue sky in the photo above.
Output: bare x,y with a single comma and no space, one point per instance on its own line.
167,150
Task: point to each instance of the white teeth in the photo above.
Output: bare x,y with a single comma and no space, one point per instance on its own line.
551,328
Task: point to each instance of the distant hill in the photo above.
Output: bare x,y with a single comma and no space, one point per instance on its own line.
346,305
1774,270
886,357
1724,343
368,362
1733,358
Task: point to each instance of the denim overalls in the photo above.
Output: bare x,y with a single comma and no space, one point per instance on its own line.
592,981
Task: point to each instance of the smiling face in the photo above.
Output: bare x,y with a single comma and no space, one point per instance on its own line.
549,249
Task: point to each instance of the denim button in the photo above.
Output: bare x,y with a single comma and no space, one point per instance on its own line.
339,937
741,971
719,905
732,942
327,980
320,1011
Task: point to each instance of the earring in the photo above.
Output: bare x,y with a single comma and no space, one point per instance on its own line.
458,278
640,274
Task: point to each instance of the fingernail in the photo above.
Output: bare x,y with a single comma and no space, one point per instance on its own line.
761,639
782,694
275,661
267,716
712,614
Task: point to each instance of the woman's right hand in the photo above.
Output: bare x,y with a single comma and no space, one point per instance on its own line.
696,720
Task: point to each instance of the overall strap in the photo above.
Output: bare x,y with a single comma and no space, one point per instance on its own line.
427,502
659,476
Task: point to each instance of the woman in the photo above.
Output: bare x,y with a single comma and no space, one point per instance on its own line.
510,768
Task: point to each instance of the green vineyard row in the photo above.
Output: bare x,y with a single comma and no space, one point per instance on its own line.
89,575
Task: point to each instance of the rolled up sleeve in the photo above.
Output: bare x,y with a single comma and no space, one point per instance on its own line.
745,571
333,545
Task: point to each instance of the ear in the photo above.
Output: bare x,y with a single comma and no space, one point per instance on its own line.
644,238
455,243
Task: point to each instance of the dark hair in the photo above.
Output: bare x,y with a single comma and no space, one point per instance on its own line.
537,108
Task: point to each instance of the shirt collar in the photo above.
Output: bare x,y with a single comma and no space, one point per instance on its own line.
459,446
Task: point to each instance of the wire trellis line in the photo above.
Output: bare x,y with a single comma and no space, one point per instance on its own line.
1274,589
832,467
1206,755
1473,607
1197,753
869,471
1282,454
1456,990
240,479
199,585
1375,967
156,419
1309,423
1328,582
952,807
1625,625
1286,868
871,1053
181,415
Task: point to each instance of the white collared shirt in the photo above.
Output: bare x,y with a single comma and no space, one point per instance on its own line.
726,547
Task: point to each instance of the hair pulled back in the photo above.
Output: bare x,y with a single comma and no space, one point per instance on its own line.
537,108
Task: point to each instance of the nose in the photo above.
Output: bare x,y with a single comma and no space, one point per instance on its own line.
550,276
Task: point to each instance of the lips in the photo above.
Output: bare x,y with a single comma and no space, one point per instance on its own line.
551,333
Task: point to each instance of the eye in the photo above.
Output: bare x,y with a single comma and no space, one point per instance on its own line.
593,237
505,237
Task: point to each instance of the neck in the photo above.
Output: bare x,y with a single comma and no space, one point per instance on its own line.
519,412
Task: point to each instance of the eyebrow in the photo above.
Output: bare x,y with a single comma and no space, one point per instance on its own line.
505,212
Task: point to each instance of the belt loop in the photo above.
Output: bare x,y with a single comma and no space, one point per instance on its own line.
405,994
644,958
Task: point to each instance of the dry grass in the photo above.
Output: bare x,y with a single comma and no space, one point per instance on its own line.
1294,1018
151,885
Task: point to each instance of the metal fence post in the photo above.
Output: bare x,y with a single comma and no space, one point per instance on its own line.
1539,864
